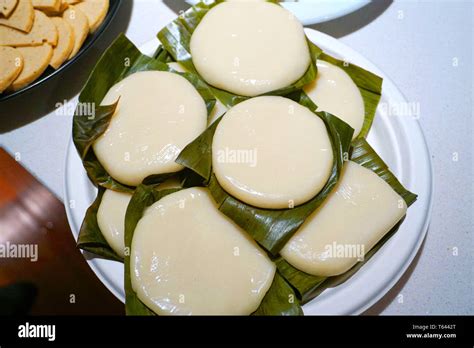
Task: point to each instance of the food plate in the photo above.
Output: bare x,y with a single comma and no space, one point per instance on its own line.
310,12
50,72
398,139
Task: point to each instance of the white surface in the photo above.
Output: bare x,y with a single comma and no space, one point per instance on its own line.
398,140
438,33
317,11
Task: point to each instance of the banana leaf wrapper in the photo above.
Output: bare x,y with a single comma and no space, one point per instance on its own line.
280,299
91,238
120,60
308,286
176,38
369,85
270,228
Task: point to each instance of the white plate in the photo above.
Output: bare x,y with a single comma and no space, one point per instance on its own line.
317,11
400,142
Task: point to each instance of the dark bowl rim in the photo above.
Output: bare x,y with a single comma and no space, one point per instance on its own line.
50,72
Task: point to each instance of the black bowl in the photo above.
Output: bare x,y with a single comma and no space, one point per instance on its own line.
50,72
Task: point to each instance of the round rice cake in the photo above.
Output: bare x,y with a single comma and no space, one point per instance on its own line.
188,258
272,153
158,114
250,48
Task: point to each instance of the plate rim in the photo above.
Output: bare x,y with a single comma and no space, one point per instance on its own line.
392,89
416,128
349,6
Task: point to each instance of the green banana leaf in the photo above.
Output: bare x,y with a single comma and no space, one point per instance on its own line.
270,228
308,286
90,237
365,155
279,300
120,60
176,38
162,55
370,87
304,284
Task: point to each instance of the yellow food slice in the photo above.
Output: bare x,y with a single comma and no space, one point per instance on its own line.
43,31
65,42
36,59
65,4
7,7
95,10
11,62
47,5
80,27
21,18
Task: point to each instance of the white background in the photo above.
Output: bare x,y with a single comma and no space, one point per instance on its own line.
426,47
